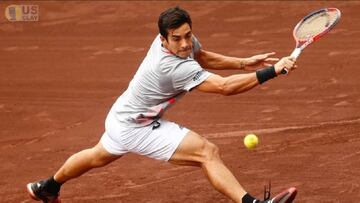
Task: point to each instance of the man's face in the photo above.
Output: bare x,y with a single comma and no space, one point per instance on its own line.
179,41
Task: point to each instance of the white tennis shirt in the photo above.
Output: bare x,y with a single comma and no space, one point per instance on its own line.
160,81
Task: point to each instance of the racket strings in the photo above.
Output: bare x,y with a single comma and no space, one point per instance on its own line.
316,24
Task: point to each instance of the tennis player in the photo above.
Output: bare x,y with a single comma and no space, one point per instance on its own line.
174,65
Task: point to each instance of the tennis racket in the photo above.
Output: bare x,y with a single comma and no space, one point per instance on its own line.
312,27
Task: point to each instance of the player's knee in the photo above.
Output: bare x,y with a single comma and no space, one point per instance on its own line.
99,159
98,162
210,152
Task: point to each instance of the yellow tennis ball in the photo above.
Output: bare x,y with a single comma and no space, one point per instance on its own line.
251,141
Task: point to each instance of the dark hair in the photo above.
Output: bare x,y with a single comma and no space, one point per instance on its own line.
172,18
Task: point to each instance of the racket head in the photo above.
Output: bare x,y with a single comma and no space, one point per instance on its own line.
315,25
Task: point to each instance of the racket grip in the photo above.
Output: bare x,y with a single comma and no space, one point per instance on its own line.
295,54
284,71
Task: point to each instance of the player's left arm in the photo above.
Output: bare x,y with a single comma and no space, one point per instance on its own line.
215,61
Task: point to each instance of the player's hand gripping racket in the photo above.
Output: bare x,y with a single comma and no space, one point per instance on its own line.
312,27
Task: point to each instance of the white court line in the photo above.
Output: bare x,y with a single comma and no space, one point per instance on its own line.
340,159
279,129
163,179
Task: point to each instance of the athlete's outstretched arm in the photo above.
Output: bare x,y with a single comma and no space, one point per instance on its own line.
211,60
236,84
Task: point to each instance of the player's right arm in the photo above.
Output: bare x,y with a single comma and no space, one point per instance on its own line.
239,83
231,85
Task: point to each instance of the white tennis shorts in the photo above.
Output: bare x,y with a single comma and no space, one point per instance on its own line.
159,143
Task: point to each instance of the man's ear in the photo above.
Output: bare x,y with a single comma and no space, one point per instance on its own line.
164,42
162,38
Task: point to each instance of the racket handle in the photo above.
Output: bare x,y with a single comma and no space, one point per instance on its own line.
284,71
295,54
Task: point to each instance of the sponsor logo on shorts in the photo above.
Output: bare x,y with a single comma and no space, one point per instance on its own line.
16,13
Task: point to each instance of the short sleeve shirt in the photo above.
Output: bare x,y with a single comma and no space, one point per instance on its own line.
161,80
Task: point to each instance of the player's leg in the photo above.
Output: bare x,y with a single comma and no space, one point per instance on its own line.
83,161
198,151
106,151
76,165
170,142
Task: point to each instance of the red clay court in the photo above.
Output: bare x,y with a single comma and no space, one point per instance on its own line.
61,74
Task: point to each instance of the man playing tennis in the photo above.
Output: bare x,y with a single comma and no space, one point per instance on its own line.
175,64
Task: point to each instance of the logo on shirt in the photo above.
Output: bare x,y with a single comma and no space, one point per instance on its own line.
198,75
